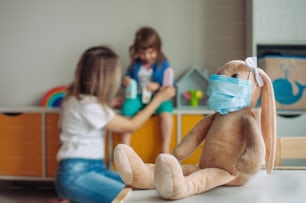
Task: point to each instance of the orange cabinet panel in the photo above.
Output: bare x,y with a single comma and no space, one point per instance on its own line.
24,136
52,143
188,122
21,144
146,140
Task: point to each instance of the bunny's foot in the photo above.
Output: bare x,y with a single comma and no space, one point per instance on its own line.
171,183
132,169
169,178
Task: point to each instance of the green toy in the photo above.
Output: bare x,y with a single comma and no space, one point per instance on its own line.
193,96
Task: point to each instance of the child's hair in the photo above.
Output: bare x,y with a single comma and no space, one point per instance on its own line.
146,38
98,74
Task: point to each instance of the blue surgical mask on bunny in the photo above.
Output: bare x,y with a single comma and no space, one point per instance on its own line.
227,94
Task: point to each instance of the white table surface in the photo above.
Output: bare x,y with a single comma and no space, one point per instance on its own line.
281,186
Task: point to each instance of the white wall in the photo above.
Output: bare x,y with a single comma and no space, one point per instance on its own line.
277,22
41,40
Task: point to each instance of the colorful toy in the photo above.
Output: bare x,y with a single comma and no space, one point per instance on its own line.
194,78
131,90
193,96
168,77
54,97
236,143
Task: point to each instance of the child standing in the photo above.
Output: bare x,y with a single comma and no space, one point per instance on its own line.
148,67
82,175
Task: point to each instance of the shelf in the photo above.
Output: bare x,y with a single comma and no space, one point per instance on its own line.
27,109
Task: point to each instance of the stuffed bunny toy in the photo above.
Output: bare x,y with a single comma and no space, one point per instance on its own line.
239,139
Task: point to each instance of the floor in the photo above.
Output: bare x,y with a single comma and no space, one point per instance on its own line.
26,192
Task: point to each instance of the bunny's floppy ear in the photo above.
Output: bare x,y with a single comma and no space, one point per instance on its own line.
268,119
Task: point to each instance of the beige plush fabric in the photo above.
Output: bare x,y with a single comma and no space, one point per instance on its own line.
236,144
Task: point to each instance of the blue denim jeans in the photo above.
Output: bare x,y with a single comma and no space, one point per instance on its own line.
87,181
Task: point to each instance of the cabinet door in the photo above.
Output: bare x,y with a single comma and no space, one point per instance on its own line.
21,144
188,122
146,140
53,143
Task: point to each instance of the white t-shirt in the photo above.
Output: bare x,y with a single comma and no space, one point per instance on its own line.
82,134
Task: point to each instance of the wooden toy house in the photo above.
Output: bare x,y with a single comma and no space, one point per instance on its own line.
194,79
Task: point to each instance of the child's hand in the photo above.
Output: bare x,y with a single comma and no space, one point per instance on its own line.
117,102
165,93
152,86
126,81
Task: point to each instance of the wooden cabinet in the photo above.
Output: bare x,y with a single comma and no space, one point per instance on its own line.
21,144
52,143
146,141
188,122
30,140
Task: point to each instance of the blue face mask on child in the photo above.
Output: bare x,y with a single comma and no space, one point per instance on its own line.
227,94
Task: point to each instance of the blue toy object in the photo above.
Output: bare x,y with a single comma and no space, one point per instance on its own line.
131,90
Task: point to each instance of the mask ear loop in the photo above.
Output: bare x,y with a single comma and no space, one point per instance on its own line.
249,77
251,62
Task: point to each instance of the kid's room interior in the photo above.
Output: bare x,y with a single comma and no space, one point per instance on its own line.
41,42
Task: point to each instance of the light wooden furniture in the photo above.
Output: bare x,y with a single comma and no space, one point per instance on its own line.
52,142
28,143
29,140
123,195
146,140
281,186
21,144
290,148
188,122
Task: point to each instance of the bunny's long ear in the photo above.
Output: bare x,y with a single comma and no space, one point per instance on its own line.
268,120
